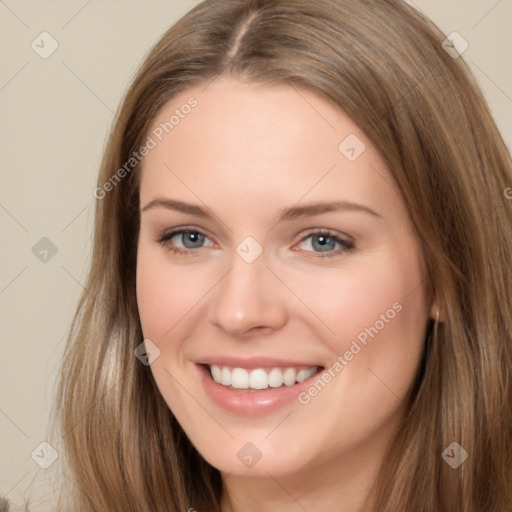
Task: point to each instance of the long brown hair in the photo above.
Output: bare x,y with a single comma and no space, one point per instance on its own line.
383,64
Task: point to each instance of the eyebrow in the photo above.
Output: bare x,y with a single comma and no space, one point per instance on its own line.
288,214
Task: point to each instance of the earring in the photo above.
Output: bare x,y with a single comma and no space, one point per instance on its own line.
437,316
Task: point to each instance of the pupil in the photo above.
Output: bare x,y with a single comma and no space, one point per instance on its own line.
323,241
194,238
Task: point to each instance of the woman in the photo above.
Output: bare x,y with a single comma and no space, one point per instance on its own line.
303,213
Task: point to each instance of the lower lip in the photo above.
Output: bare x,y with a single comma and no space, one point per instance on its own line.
252,402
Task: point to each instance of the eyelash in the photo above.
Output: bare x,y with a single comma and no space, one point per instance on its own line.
346,245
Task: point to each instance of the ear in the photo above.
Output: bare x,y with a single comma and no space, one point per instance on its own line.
436,313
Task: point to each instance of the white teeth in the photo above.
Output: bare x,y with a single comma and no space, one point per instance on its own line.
289,376
225,378
302,375
258,379
240,378
216,373
275,378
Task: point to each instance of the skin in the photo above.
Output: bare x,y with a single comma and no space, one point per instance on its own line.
245,152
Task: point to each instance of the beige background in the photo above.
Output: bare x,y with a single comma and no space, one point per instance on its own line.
55,114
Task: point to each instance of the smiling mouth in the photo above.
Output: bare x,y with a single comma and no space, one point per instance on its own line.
259,379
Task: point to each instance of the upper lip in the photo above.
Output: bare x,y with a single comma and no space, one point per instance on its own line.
255,362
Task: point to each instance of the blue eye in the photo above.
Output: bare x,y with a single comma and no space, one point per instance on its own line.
188,236
324,242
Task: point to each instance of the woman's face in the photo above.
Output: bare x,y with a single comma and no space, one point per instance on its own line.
298,262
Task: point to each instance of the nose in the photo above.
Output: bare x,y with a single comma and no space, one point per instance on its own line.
249,300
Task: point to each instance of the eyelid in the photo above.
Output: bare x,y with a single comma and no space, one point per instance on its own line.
346,243
328,232
165,235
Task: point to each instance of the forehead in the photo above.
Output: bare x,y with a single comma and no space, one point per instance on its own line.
258,142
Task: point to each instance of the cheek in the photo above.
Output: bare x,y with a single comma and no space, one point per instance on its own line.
374,313
380,294
153,299
165,293
379,318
